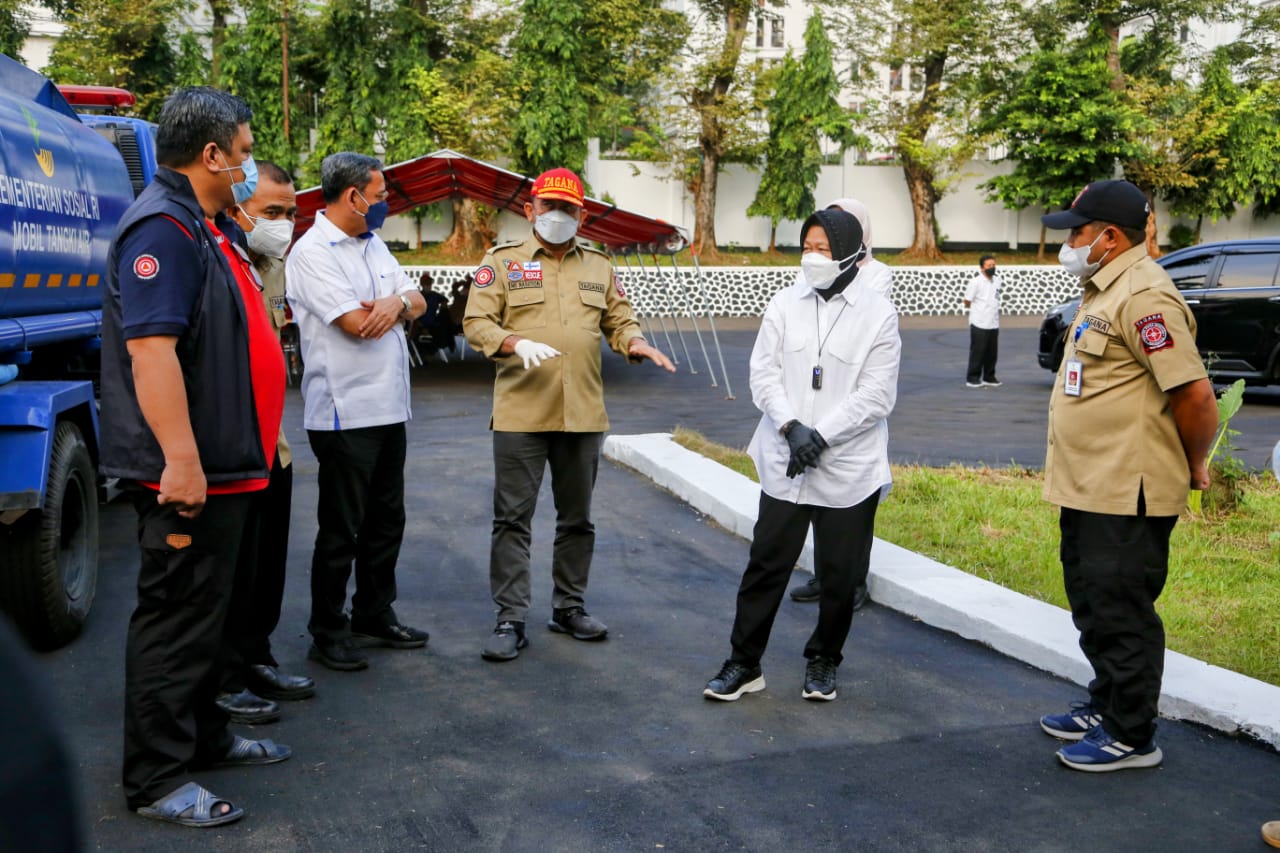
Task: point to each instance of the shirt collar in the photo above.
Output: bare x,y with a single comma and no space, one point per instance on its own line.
576,248
332,234
1104,277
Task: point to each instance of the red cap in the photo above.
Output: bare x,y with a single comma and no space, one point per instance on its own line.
559,184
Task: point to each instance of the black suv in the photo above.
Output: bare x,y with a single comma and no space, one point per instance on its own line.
1235,297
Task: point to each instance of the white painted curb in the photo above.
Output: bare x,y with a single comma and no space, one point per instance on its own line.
1013,624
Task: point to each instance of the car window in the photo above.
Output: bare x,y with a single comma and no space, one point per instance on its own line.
1250,270
1191,271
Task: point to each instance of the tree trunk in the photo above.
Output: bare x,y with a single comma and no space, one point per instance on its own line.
924,243
1153,247
773,236
1112,29
707,101
471,234
218,10
1040,251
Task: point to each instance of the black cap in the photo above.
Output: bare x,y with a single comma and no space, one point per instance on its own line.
1119,202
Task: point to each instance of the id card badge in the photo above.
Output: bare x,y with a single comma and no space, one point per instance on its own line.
1072,377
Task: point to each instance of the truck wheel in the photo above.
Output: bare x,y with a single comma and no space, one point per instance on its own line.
51,570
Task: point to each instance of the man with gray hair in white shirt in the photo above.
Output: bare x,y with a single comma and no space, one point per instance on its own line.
824,374
351,299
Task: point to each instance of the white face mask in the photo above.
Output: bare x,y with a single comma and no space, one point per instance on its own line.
819,271
270,237
556,226
1076,261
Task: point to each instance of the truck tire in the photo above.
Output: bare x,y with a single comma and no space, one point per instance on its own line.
51,568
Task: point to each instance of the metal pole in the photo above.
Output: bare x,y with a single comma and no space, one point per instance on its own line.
702,290
661,322
675,316
693,317
644,318
284,63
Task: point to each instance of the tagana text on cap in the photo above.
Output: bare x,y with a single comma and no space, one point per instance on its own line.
560,184
1118,202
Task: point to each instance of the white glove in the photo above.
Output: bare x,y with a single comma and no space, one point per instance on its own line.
532,351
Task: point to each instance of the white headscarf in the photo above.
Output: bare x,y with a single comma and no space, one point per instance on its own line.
863,215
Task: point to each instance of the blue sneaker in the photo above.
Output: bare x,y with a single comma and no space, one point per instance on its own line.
1099,752
1074,724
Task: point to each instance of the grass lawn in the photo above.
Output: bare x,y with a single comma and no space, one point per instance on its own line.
1223,591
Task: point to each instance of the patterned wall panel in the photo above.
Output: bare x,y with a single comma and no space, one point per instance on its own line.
745,291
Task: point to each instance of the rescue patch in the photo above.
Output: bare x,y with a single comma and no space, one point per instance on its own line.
1098,323
146,267
594,286
178,540
1154,334
532,275
484,276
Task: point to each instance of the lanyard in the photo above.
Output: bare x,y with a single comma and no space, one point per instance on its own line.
816,381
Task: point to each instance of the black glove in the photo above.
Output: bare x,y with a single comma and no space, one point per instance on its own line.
806,445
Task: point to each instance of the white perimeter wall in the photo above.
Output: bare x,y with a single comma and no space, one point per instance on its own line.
964,216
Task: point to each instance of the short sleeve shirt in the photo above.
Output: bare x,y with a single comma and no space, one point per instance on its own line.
570,304
160,279
347,382
1135,340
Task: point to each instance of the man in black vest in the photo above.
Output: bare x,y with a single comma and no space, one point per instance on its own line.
192,398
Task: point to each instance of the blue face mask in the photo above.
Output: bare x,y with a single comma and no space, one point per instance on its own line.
376,215
243,190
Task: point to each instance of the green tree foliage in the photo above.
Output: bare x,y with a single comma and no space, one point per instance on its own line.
1254,145
119,43
15,26
251,67
346,55
802,111
1062,126
550,128
628,47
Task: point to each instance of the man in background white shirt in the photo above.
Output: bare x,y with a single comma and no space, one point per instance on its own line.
351,299
982,298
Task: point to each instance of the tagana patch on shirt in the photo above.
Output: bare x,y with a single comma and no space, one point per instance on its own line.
1154,333
1098,323
594,286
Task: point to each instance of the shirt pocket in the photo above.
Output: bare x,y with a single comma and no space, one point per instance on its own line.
526,309
593,309
1093,343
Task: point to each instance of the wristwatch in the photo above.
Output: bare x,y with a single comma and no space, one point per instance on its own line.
408,306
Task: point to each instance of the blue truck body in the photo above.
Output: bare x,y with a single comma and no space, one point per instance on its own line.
65,181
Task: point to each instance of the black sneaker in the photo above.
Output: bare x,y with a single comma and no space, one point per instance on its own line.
393,636
341,655
733,680
820,680
807,591
578,623
505,642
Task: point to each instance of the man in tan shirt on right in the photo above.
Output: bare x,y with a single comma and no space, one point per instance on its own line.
1130,423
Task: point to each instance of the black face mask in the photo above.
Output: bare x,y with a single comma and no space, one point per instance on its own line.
990,272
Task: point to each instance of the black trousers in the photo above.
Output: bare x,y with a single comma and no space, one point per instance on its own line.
1114,568
361,520
258,590
519,461
173,657
842,550
983,349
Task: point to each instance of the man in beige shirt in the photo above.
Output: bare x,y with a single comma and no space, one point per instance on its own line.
1130,422
539,307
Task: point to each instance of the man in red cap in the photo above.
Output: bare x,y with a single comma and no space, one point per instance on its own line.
539,307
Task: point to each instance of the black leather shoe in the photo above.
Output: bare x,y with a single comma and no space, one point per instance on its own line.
271,683
247,707
393,636
341,655
808,591
861,595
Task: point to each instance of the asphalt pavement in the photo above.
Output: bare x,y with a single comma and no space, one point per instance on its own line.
932,745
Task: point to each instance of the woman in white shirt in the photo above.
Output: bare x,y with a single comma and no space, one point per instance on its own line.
824,374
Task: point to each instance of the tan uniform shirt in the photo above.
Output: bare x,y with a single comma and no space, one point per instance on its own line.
1135,339
271,271
521,289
